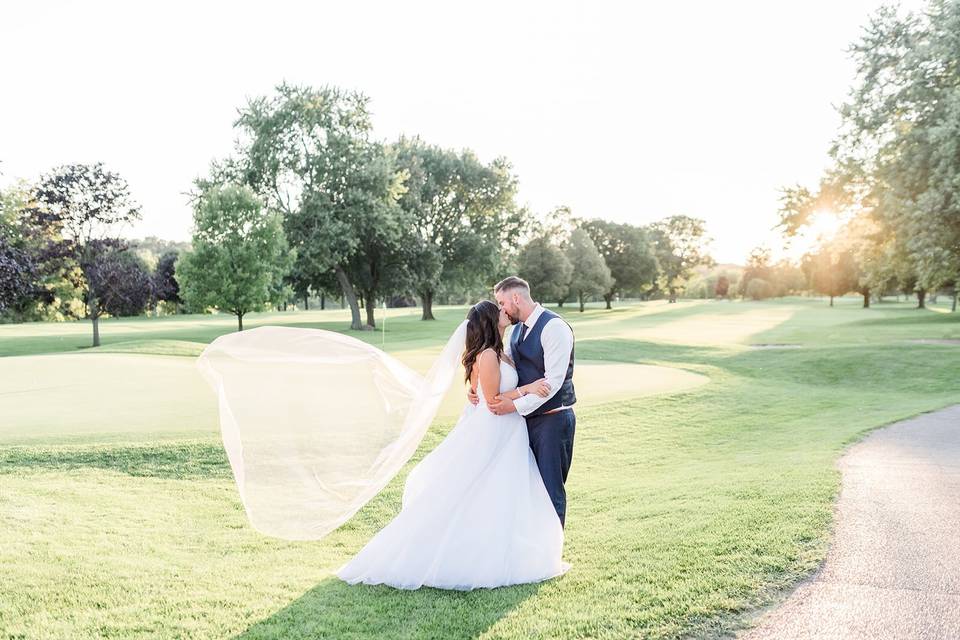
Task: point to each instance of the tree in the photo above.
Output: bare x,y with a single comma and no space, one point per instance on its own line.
680,244
165,287
788,278
758,266
18,269
80,209
832,273
543,264
239,253
151,248
123,280
723,287
758,289
463,213
626,249
18,273
379,266
899,145
591,276
308,153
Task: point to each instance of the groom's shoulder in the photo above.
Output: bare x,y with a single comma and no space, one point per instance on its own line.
550,315
556,320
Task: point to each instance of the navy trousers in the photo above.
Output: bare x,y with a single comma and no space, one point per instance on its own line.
551,439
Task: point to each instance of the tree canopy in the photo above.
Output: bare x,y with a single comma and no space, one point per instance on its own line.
239,253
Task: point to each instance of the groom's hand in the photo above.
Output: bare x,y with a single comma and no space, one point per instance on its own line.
500,406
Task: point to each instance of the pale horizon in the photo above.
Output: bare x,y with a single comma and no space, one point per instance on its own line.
620,112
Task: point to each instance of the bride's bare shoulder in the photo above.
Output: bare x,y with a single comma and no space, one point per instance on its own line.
487,354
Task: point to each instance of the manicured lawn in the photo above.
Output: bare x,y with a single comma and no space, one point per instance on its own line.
119,517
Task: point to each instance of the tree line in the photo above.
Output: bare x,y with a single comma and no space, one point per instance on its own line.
61,256
309,202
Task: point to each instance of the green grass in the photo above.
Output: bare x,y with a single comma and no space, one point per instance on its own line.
119,517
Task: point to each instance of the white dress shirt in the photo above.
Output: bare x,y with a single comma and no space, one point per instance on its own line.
557,341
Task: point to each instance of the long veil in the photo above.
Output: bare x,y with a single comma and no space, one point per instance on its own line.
315,423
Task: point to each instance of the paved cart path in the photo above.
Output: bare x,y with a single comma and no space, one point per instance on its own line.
893,568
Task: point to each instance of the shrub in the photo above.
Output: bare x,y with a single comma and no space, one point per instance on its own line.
759,289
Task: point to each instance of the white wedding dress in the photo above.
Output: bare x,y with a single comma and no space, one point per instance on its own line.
475,513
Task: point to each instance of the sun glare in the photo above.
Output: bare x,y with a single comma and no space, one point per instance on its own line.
823,225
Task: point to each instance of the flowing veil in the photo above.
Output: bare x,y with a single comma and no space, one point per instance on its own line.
315,423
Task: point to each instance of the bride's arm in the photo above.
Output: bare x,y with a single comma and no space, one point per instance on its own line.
539,387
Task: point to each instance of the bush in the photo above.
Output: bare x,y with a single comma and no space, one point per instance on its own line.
759,289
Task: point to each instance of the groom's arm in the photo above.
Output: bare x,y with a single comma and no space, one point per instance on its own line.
557,340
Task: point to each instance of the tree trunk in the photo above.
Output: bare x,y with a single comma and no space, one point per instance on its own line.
323,301
427,299
866,299
608,297
560,303
306,302
921,298
96,324
351,297
831,301
371,302
240,322
953,307
581,301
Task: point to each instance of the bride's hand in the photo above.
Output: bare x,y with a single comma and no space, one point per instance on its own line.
539,387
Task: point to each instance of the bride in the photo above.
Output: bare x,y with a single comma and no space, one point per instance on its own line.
475,512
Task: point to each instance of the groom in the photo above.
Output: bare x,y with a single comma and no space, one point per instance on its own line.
541,346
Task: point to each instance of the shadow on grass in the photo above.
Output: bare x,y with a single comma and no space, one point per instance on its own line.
910,316
334,609
179,460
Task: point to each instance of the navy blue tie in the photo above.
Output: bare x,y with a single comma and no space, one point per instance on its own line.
523,331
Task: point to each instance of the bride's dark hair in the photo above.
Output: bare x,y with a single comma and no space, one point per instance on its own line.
483,332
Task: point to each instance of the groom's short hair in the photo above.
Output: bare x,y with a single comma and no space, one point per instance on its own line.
512,282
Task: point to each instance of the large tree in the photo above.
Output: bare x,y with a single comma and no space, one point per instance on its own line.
239,253
680,244
309,153
546,268
628,252
463,213
80,210
897,157
379,266
591,276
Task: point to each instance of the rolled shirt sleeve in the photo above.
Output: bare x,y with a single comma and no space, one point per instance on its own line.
557,341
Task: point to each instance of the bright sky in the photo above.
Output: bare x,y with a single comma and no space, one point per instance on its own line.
629,111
